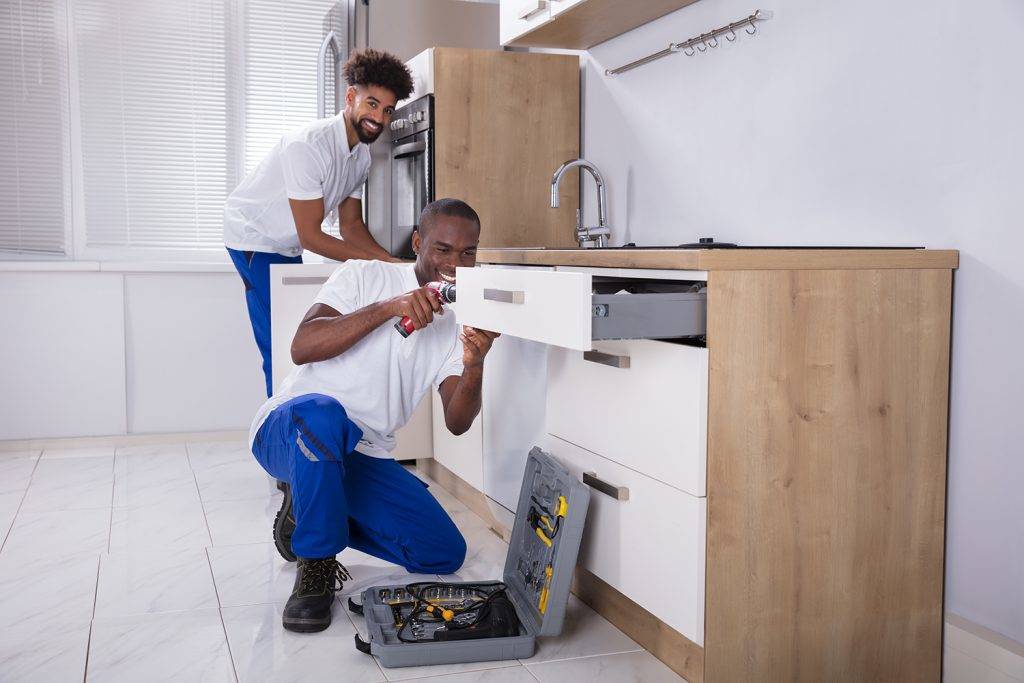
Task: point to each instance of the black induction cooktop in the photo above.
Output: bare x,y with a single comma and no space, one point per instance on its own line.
710,243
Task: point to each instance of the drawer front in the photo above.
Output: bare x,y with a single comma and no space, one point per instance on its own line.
640,403
648,543
540,305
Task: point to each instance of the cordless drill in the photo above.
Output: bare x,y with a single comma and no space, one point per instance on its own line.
445,293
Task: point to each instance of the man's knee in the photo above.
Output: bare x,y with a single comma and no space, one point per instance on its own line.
442,552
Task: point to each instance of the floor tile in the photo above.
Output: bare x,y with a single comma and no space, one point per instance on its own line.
46,590
152,450
242,521
485,553
211,454
16,470
263,650
631,667
71,533
54,652
252,574
174,646
9,504
151,474
176,525
235,481
73,453
999,656
72,482
508,674
147,582
585,633
959,667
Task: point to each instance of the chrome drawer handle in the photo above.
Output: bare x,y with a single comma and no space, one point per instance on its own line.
304,280
609,359
505,296
528,9
616,492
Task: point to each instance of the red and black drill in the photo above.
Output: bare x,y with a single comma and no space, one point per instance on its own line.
445,293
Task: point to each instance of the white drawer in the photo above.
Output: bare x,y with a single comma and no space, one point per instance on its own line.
562,308
650,415
650,546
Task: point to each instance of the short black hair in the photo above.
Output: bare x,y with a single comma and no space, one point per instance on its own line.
376,67
448,207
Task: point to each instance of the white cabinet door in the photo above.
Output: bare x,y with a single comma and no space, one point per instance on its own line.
462,454
293,287
521,16
641,403
649,544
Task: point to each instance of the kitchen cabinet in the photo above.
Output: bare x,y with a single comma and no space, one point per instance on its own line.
756,488
462,454
293,287
576,24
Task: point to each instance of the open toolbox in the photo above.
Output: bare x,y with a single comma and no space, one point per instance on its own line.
472,621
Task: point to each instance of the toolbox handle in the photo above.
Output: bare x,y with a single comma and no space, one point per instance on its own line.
505,296
610,359
616,492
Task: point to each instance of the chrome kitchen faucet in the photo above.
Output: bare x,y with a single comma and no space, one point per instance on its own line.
586,237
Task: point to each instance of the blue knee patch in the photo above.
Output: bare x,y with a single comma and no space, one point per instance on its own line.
324,431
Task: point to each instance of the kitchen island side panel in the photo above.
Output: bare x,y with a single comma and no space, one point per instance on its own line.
827,446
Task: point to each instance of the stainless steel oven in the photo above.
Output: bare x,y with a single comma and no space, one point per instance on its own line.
412,170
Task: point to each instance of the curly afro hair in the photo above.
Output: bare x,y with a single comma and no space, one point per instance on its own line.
375,67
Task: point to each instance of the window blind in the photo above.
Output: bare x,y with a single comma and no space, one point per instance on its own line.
35,182
281,44
154,106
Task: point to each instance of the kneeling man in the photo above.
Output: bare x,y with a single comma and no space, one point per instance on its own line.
329,430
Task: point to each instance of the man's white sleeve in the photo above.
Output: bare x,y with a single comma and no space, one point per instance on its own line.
343,290
303,171
357,193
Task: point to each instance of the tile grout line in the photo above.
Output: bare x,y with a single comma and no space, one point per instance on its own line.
209,562
220,610
113,487
92,618
21,503
202,504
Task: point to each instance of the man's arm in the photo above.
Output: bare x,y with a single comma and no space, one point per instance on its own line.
461,395
325,333
355,232
309,215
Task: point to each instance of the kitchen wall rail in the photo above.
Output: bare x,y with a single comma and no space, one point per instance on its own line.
700,43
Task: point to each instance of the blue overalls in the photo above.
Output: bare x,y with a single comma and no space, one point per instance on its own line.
254,267
342,498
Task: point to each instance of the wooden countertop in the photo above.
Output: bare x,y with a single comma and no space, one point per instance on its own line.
728,259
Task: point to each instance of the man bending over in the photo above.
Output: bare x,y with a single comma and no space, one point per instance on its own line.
329,430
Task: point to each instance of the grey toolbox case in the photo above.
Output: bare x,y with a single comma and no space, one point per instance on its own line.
544,480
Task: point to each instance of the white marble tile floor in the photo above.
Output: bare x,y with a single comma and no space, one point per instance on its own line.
156,563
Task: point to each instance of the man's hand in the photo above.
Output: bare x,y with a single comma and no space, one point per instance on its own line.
475,345
419,304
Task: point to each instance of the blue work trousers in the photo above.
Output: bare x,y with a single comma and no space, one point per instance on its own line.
342,498
254,267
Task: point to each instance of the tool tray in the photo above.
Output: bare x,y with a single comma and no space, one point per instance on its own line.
539,596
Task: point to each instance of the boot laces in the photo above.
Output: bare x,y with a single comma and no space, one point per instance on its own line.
321,576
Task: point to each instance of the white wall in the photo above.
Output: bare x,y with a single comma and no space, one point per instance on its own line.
853,123
110,353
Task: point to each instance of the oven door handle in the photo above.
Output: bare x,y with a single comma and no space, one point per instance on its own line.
408,149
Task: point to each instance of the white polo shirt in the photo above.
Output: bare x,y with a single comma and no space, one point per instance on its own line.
308,163
383,377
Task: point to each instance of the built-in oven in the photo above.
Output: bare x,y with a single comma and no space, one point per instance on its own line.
412,170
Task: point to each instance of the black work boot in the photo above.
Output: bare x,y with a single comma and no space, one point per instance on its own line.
308,610
284,526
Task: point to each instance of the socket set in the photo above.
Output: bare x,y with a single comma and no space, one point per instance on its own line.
446,623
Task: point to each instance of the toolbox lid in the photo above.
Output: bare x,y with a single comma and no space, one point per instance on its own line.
545,541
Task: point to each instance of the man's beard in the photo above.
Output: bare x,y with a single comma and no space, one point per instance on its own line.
364,137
